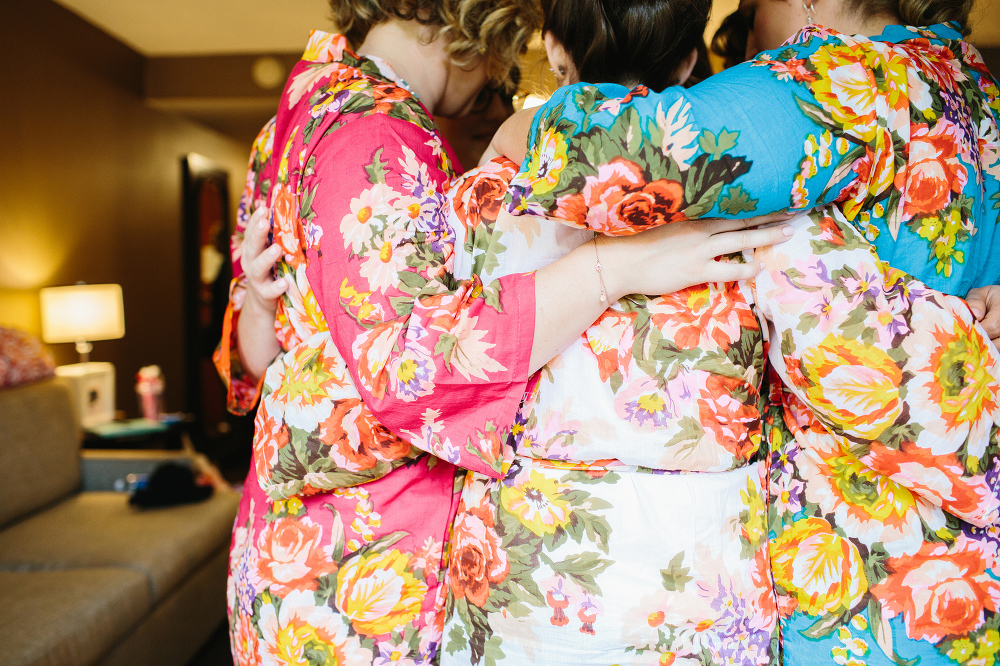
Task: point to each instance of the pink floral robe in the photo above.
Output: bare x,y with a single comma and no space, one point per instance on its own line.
338,549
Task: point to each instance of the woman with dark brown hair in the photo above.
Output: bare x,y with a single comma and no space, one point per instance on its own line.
381,377
629,526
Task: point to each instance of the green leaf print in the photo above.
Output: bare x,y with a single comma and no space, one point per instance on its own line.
306,211
824,626
616,380
480,631
456,640
326,590
676,575
380,545
818,115
690,434
492,651
882,631
491,294
445,347
412,280
376,170
736,200
337,552
583,568
715,145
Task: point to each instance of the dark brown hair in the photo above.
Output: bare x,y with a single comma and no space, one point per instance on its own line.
627,41
496,30
917,12
730,41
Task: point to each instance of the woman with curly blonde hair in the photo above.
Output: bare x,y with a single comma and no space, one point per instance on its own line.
382,378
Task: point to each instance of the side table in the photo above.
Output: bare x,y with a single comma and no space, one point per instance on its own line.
165,434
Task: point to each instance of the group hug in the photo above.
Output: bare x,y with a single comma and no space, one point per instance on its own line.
682,373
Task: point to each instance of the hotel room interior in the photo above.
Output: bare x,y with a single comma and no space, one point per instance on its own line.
126,126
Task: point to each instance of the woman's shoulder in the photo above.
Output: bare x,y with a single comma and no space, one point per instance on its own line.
332,84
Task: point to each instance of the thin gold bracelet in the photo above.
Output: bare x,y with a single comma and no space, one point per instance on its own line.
600,276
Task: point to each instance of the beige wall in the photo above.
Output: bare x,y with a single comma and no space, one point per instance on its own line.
90,186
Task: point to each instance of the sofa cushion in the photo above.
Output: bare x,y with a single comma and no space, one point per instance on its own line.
64,618
100,529
39,447
23,359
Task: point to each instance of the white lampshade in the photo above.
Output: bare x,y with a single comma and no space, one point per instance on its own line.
82,312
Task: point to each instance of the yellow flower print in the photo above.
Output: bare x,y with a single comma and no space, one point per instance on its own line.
310,378
756,521
823,570
848,86
283,164
538,503
379,592
543,173
989,643
942,234
356,302
303,632
292,507
855,385
962,650
962,366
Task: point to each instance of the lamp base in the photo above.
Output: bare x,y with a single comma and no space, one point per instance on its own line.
83,348
93,388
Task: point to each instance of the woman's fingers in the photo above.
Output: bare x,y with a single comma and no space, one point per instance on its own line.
731,271
748,239
263,264
255,237
718,226
274,288
985,305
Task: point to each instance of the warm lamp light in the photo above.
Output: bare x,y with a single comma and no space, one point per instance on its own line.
82,313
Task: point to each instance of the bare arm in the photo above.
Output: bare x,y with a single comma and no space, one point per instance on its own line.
567,292
257,343
511,140
659,261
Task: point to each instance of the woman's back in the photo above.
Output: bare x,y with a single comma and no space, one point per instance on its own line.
666,383
600,546
883,475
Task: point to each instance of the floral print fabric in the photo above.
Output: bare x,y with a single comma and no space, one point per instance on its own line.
883,436
899,130
601,545
882,416
23,359
338,550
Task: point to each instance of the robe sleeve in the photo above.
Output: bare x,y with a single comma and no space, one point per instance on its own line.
617,161
440,362
899,374
242,390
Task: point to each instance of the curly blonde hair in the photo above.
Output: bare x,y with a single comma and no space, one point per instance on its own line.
495,30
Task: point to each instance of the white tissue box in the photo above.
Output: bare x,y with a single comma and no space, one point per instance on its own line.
93,388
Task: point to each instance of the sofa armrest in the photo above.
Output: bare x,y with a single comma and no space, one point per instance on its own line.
106,469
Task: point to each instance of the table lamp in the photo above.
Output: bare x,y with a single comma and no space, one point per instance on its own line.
82,313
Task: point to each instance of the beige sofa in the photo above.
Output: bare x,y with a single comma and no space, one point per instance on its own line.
85,578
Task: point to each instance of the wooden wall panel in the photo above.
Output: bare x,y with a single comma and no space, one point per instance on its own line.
90,186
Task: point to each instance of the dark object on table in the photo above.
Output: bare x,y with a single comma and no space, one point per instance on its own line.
170,484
